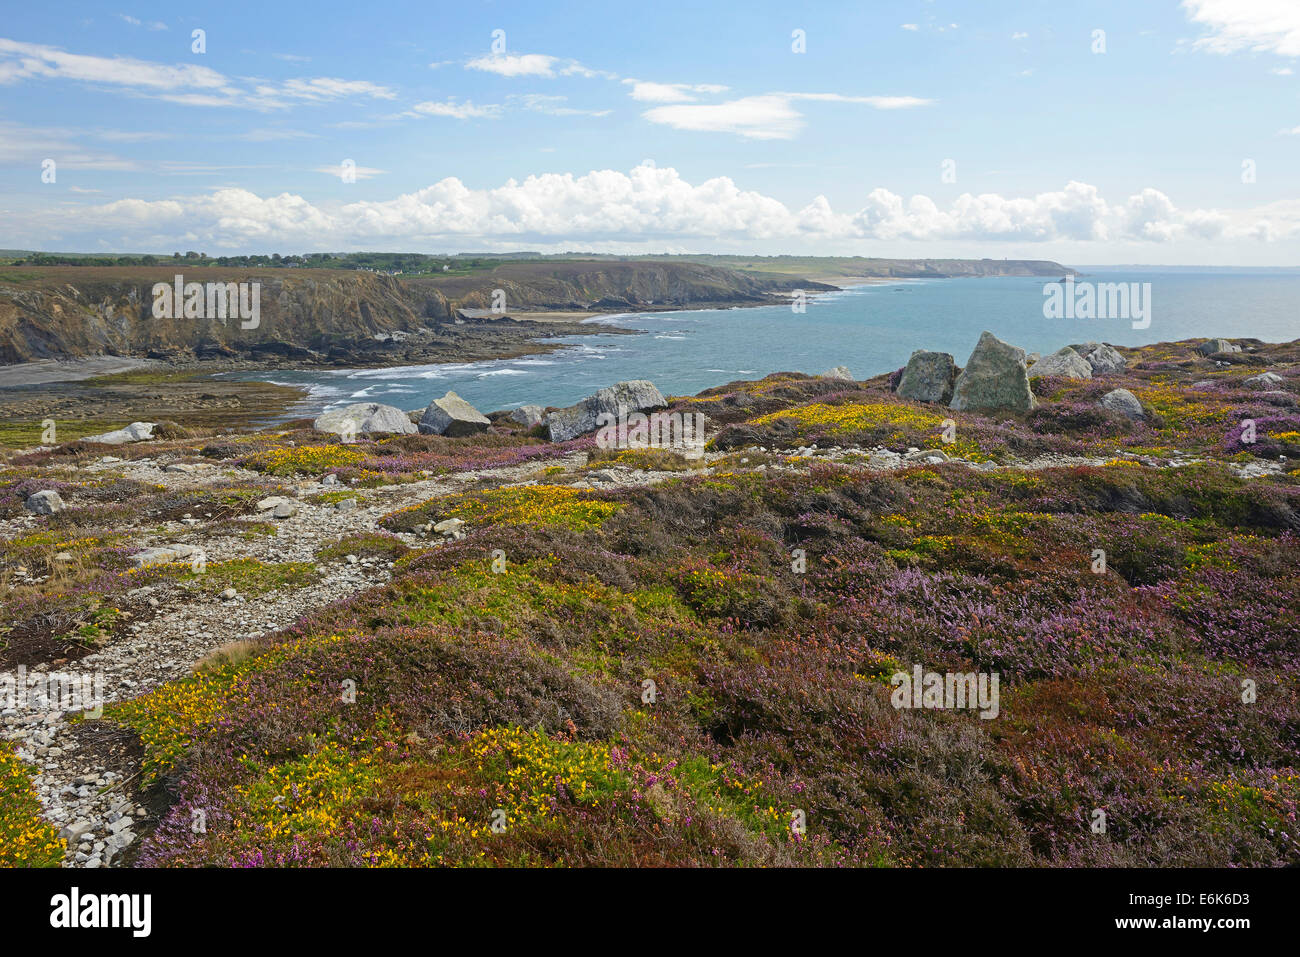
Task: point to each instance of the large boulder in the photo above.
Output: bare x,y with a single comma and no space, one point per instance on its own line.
1064,362
451,415
529,416
635,395
168,554
929,377
994,378
1105,360
1212,347
1124,402
1265,380
362,418
135,432
44,503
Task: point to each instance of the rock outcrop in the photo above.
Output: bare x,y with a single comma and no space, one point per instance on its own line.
1265,380
529,416
634,395
1104,359
453,416
1212,347
166,554
63,312
1124,402
1064,362
928,377
135,432
363,418
44,503
995,379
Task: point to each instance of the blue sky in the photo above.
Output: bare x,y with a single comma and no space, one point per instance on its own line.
658,127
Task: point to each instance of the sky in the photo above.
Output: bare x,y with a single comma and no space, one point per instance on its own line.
1141,131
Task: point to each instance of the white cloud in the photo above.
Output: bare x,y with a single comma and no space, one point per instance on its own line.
911,26
25,146
1020,35
651,92
532,64
1281,71
128,136
552,105
20,61
515,64
323,88
879,102
268,136
360,172
770,116
136,22
574,68
649,205
1264,26
456,110
188,84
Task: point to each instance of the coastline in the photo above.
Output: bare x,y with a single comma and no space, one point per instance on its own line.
124,388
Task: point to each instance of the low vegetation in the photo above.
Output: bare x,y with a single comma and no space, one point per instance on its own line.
699,671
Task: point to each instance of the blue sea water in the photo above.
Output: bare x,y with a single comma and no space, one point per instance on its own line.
871,329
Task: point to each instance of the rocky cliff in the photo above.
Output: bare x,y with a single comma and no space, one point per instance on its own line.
614,285
53,312
62,312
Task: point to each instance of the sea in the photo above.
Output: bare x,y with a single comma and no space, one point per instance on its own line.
870,328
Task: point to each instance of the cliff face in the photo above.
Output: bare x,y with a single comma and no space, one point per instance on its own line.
613,285
56,312
62,312
923,268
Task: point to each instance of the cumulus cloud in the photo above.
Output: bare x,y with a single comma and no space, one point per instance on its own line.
1265,26
189,84
649,205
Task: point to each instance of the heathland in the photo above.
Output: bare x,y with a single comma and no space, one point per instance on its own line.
497,649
